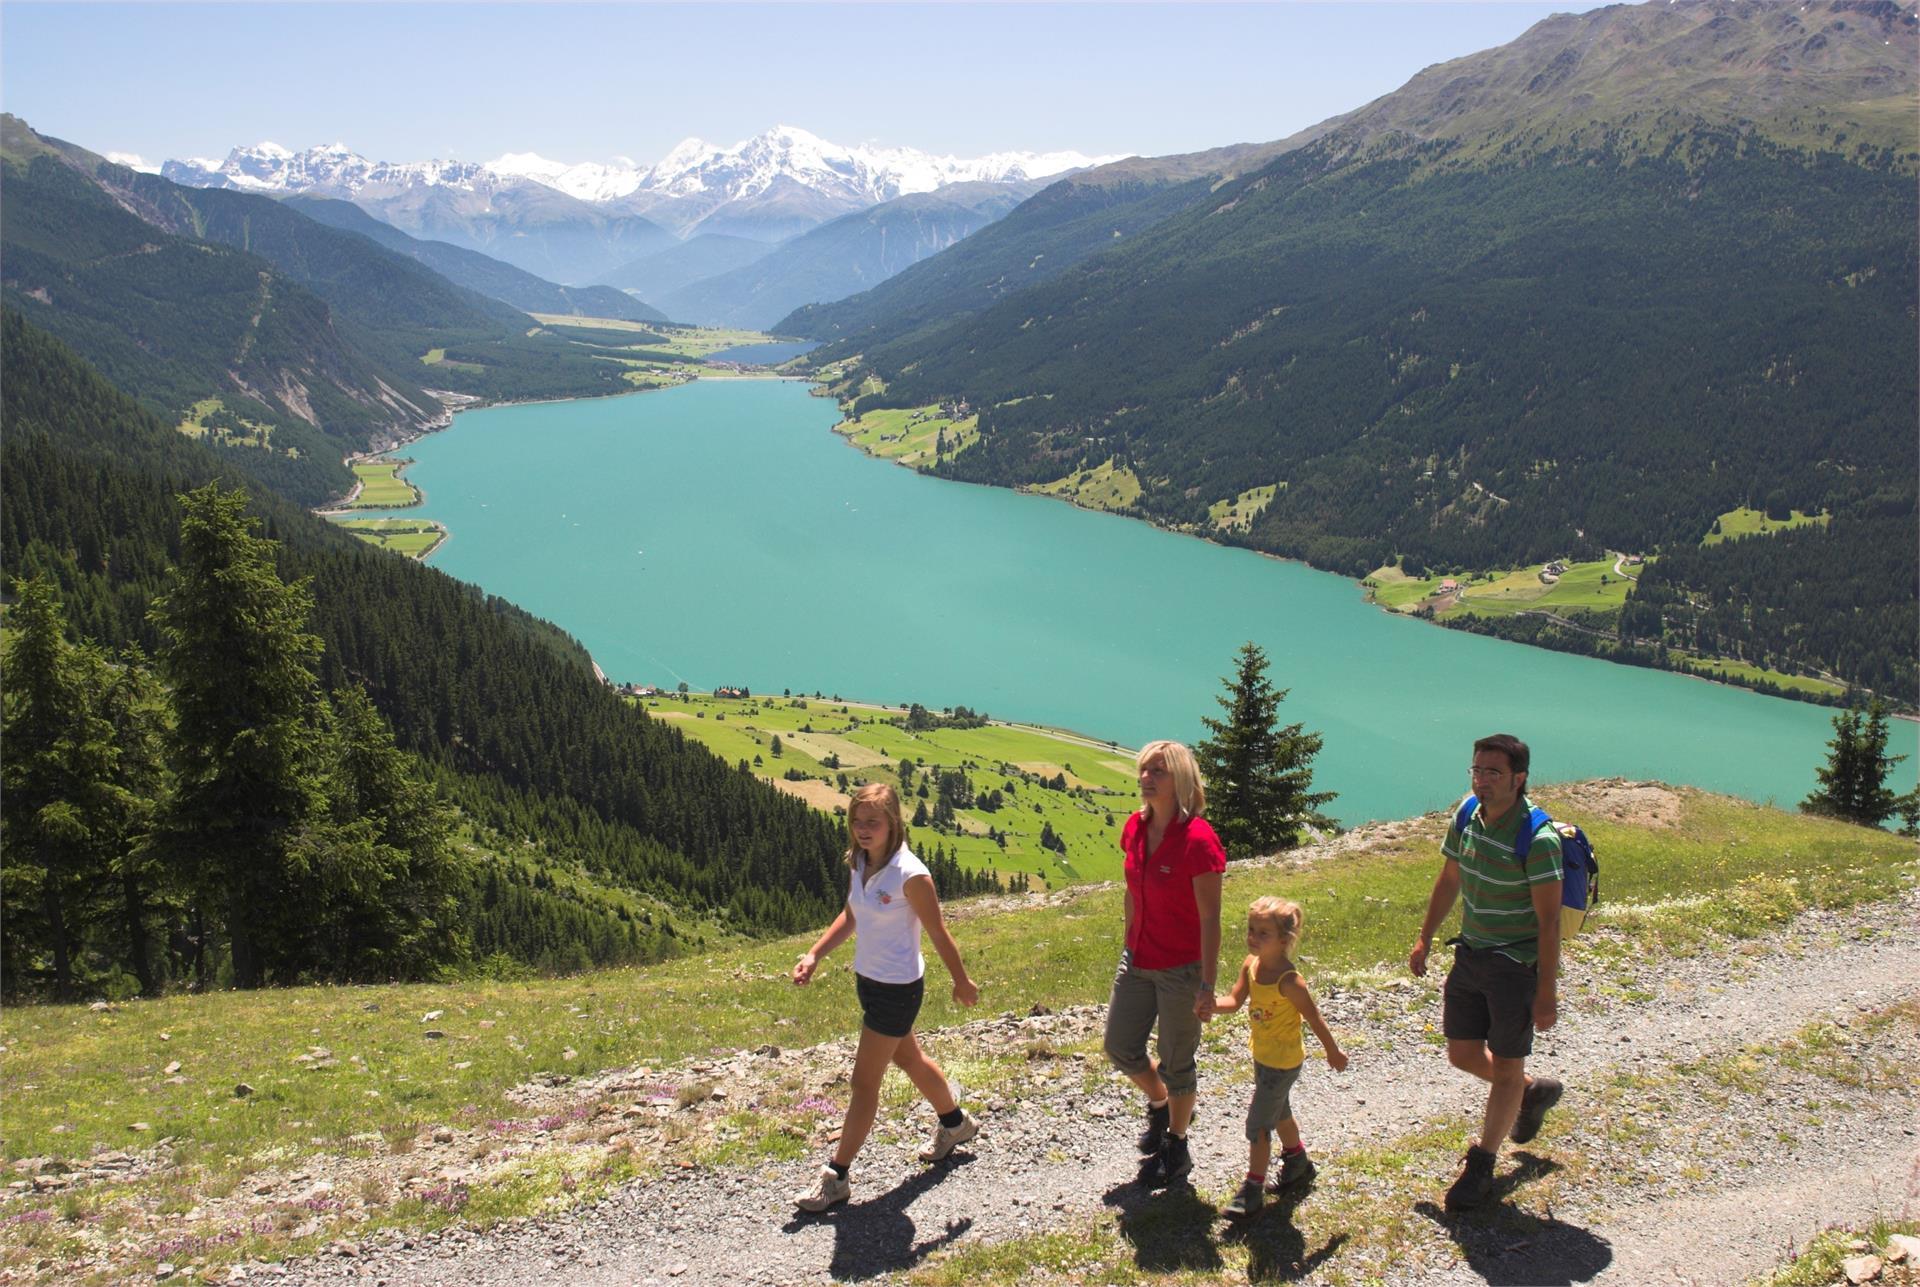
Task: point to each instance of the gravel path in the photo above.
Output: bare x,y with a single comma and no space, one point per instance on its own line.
1058,1151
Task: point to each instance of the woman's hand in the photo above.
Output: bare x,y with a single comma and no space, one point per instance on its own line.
803,969
966,992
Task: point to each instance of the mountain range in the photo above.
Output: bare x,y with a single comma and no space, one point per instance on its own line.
580,223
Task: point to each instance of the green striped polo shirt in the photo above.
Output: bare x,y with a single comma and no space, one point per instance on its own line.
1496,895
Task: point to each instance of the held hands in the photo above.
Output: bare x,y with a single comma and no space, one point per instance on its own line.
966,992
803,969
1417,959
1204,1005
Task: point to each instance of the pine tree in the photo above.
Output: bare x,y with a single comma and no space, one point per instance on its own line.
1259,775
239,659
1853,783
55,773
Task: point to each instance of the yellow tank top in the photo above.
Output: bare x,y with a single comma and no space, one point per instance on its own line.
1275,1024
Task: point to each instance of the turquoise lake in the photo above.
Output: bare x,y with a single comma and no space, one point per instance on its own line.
719,533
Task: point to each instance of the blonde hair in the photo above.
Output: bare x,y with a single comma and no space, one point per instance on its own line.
1187,786
887,800
1287,918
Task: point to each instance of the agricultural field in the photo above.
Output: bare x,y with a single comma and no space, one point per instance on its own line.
1753,522
414,537
438,357
1237,515
693,342
1102,487
1594,587
1080,789
911,435
381,486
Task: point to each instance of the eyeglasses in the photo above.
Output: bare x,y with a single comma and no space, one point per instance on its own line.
1475,771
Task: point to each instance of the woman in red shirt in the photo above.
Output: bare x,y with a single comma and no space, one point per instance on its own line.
1172,953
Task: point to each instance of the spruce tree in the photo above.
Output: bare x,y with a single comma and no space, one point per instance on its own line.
1853,782
240,660
58,758
1259,775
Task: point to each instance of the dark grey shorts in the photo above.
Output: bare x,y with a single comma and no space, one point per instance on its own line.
1272,1099
1489,997
889,1008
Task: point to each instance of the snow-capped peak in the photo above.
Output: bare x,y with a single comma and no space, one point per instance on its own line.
696,176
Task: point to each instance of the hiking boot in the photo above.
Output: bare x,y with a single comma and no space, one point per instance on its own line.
830,1190
1176,1163
946,1138
1295,1169
1246,1201
1475,1184
1541,1094
1156,1133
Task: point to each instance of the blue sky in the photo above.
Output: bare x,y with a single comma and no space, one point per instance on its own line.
590,82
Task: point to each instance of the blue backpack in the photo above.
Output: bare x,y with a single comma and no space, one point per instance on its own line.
1580,878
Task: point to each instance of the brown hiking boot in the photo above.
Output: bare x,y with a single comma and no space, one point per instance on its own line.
1475,1184
1541,1094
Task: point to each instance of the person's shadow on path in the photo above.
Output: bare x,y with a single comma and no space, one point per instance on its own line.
1511,1248
1171,1229
1276,1248
877,1236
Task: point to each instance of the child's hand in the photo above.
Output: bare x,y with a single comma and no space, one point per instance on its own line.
966,992
1337,1059
1203,1006
1224,1005
803,969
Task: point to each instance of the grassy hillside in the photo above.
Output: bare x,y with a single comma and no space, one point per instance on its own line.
348,1083
1080,789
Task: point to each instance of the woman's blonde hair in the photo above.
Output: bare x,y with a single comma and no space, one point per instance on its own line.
887,800
1187,786
1287,918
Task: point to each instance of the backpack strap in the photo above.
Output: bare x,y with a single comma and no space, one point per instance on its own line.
1464,814
1536,819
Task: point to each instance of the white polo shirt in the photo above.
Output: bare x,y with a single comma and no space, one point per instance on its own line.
886,943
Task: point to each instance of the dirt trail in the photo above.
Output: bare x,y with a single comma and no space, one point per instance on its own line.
1055,1157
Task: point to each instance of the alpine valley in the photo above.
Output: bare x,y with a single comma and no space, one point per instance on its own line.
358,925
1582,301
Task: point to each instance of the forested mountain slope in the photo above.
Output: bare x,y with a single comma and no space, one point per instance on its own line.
288,343
1532,309
477,272
849,254
507,711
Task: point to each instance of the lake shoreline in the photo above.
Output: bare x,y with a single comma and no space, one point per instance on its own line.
1785,694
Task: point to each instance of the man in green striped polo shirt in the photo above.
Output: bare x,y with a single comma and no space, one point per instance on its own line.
1506,962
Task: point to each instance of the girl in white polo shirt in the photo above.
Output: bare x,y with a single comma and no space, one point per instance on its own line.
890,899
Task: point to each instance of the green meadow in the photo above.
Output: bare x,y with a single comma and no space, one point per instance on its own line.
1592,587
909,435
363,1072
1102,487
828,748
1237,515
693,342
381,486
210,419
413,537
1754,522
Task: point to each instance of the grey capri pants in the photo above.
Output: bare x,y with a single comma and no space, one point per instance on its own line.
1140,997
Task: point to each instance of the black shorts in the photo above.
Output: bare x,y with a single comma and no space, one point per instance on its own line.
1489,997
889,1008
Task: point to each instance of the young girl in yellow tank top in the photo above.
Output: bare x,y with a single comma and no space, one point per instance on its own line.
1277,1002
